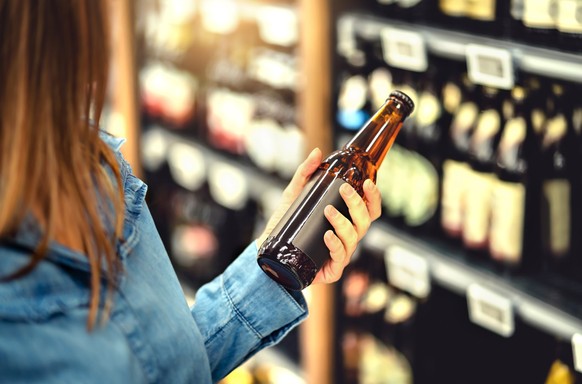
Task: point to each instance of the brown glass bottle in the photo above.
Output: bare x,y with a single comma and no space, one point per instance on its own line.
295,250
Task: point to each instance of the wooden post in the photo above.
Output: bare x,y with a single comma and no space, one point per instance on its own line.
314,101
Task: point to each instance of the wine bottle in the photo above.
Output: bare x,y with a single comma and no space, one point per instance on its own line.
482,148
516,188
422,210
556,172
295,251
394,173
539,19
488,16
569,24
455,166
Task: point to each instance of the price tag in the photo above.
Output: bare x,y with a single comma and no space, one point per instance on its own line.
490,66
490,310
407,271
404,49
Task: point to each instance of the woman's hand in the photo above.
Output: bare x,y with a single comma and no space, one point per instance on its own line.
348,234
342,241
293,189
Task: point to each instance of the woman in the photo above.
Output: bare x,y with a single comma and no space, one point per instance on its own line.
87,292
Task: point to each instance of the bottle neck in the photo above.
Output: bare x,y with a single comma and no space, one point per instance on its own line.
378,134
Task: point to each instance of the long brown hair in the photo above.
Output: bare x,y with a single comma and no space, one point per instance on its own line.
54,57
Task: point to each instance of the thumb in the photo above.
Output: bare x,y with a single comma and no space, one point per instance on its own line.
304,172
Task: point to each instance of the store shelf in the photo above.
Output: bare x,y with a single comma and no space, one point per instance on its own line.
453,45
535,302
258,182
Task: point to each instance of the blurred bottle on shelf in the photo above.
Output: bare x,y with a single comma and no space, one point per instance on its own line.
539,22
569,24
481,177
514,235
169,97
480,17
430,129
414,11
456,169
557,172
394,173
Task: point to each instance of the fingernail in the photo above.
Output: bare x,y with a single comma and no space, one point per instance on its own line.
347,190
329,235
369,185
330,211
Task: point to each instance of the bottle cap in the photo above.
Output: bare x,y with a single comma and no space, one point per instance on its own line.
405,100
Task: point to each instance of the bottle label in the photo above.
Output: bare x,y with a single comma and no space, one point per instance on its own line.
454,8
477,208
539,14
557,198
453,200
422,200
481,9
304,223
393,181
570,16
507,220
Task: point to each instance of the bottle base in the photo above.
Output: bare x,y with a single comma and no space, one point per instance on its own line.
286,264
281,274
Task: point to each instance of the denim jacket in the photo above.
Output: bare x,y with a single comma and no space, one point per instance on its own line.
152,336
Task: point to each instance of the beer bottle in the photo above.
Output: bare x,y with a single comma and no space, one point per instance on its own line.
295,251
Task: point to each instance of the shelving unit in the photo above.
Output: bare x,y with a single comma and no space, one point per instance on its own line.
498,300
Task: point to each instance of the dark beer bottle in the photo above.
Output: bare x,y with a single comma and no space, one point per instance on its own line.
295,250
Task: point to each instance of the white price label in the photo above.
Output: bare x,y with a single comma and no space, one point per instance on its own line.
407,271
404,49
490,310
490,66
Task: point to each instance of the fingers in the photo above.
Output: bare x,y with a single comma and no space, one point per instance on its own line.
373,199
358,210
342,244
303,173
333,269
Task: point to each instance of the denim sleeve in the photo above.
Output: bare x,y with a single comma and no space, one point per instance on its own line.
243,311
